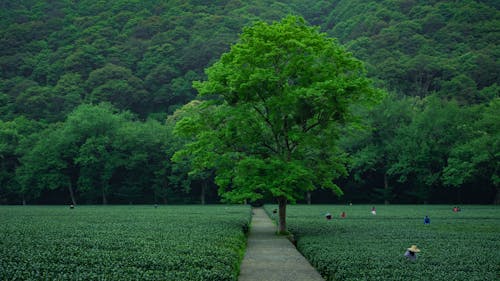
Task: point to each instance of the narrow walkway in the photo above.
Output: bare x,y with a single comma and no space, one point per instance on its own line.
270,257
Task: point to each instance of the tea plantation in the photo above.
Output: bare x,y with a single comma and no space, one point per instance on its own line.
122,242
362,246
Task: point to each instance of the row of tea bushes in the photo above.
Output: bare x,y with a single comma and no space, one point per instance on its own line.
122,242
362,246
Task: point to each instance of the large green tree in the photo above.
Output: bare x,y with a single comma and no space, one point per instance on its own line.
280,96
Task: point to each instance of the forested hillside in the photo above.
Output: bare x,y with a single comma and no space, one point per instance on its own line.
416,48
89,92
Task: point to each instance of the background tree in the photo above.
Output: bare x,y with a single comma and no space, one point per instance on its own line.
98,154
48,165
284,89
117,85
476,159
143,166
16,139
374,147
425,144
196,158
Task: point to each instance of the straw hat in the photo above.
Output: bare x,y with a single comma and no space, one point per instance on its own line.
414,249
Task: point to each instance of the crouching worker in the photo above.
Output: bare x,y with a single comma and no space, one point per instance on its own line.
427,220
411,253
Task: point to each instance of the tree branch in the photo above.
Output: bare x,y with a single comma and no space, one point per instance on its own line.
270,124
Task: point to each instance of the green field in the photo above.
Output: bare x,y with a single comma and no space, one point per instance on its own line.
455,246
207,243
122,242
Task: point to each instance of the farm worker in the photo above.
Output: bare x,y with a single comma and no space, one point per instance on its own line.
342,215
427,220
411,253
455,209
328,216
374,212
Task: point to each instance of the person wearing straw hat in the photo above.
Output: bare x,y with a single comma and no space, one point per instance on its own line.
411,253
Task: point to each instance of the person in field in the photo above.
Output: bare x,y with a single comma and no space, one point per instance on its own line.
411,253
342,215
374,212
427,220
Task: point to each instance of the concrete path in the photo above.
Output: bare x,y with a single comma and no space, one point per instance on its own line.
270,257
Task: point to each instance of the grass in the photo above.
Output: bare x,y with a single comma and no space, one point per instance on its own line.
122,242
455,246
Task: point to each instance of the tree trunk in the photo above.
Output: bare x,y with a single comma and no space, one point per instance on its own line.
104,199
282,215
308,198
497,197
386,189
24,200
72,194
203,189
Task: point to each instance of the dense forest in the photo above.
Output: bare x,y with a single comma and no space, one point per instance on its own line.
91,91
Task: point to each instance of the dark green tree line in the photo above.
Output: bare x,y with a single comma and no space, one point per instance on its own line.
427,150
98,155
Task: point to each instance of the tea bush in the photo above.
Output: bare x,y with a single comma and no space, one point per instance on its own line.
455,246
122,242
